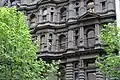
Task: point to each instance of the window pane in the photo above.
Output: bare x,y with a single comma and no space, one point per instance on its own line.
92,76
103,6
76,76
90,38
90,34
91,42
62,42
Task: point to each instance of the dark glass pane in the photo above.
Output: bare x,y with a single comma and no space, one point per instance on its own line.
76,76
62,40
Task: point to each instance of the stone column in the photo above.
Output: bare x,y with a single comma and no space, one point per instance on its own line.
57,43
99,75
55,16
53,42
42,44
81,70
47,41
38,42
81,39
70,41
82,8
47,19
69,71
58,16
97,34
49,14
71,11
97,6
40,16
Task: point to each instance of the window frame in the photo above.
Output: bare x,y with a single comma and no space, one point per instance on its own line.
89,38
62,44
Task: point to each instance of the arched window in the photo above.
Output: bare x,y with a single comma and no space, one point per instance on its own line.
90,5
32,20
62,40
63,14
90,38
44,14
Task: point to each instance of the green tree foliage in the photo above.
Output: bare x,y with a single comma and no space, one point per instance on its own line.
109,63
17,51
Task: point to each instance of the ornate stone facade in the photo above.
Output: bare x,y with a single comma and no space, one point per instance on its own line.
68,30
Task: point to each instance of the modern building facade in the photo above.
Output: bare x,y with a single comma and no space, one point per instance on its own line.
68,30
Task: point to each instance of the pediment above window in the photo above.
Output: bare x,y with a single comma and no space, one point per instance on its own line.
89,15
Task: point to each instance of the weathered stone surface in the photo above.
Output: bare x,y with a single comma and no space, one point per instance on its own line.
68,30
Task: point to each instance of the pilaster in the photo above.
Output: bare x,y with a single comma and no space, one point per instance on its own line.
47,41
42,43
69,71
70,41
57,43
49,14
81,41
81,70
40,16
58,16
97,34
38,42
53,42
54,17
71,11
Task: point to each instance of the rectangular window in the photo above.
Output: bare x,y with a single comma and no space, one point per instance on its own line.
103,5
76,36
44,17
90,63
76,40
76,76
77,10
52,16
